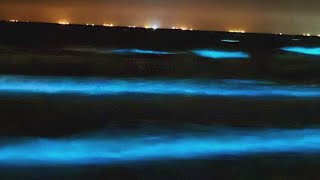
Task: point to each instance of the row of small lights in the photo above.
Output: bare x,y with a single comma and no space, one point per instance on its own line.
308,34
14,20
182,28
156,27
237,31
305,34
146,26
243,31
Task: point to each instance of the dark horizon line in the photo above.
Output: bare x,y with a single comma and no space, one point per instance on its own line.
139,27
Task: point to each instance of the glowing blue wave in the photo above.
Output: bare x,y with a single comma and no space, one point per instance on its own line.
230,40
221,54
303,50
110,149
193,87
121,51
140,51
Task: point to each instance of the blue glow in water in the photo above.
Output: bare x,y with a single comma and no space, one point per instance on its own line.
303,50
121,51
215,54
230,40
106,149
193,87
140,51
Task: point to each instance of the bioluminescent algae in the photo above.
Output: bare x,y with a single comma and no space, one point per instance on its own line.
121,51
106,149
215,54
140,51
192,87
230,40
303,50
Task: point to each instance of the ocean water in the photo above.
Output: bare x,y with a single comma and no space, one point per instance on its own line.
180,87
109,147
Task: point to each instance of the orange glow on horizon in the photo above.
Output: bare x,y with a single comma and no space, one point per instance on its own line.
63,22
108,25
237,31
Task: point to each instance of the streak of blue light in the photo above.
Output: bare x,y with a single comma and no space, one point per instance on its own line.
215,54
140,51
303,50
230,40
106,149
192,87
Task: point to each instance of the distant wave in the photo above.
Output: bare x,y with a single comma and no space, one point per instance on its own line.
230,40
140,51
133,51
303,50
218,54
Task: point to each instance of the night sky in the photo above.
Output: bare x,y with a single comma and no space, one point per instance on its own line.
273,16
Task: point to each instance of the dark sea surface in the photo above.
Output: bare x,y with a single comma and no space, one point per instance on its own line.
81,102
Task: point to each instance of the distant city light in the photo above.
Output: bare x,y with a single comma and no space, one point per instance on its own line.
108,25
13,20
153,26
318,35
182,28
306,34
280,34
132,26
63,22
237,31
90,24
